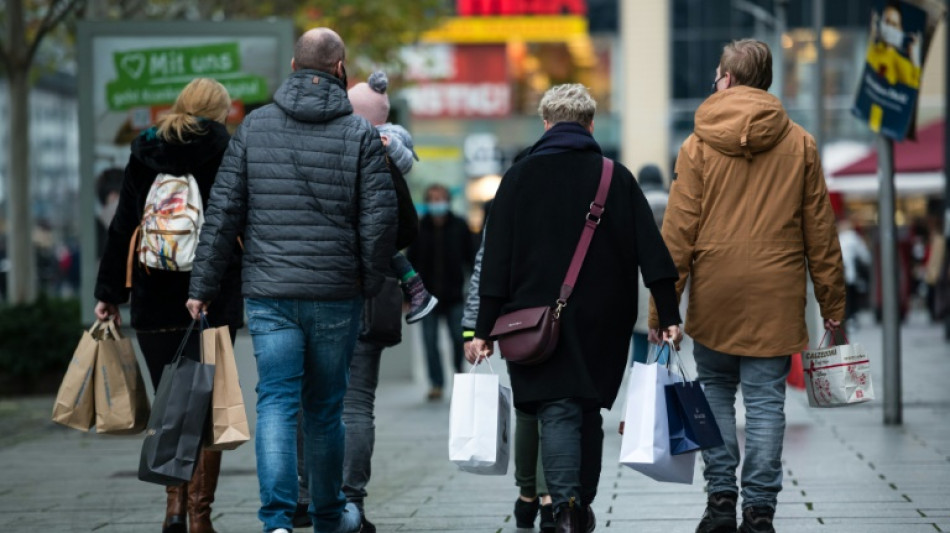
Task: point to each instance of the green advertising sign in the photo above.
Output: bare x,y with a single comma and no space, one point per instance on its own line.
155,76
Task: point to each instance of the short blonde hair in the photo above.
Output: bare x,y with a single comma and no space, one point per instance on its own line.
570,102
202,98
749,61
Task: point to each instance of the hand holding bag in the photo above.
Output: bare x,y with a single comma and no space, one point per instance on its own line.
838,375
529,336
692,424
178,421
229,427
480,423
75,402
121,400
645,446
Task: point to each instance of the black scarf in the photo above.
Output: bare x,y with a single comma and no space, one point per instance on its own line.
565,136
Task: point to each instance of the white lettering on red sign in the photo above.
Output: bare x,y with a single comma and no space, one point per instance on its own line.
459,100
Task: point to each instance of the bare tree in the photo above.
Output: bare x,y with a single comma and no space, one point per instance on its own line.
17,53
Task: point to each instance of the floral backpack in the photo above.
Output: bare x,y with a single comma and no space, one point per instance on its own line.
168,235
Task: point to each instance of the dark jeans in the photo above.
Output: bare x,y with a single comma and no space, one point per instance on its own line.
572,448
358,408
452,315
159,348
529,474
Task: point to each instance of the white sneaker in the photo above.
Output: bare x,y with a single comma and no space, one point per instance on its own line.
350,520
279,530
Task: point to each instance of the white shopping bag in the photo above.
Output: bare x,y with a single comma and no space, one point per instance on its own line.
837,376
646,435
480,424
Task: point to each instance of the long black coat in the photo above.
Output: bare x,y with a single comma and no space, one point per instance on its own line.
159,296
536,221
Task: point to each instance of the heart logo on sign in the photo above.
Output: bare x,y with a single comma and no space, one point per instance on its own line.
133,65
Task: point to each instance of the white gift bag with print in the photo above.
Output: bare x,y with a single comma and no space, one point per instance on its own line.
838,375
645,446
480,424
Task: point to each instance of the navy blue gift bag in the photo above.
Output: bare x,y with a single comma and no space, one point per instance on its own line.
692,424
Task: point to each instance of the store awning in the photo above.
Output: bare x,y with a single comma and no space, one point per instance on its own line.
918,167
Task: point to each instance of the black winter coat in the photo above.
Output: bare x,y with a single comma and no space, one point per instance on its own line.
443,256
535,223
159,296
304,180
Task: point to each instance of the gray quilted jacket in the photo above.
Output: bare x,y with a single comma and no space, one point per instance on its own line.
304,182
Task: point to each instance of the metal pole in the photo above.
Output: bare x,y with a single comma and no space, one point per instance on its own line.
890,299
818,16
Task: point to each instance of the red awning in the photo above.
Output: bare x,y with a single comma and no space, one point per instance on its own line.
925,155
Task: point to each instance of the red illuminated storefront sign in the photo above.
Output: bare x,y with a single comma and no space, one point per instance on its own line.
468,8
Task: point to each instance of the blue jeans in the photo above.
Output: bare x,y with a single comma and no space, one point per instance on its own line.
452,315
572,448
303,350
763,392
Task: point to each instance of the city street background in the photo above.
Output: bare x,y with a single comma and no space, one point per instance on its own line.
845,471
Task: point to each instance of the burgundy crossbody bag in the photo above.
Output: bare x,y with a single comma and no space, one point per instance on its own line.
529,336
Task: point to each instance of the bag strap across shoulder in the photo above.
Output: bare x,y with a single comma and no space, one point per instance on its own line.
592,220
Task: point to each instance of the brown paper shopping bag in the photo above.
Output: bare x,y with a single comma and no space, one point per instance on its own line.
229,427
122,406
74,405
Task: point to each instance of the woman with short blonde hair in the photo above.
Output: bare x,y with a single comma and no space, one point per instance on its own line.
536,221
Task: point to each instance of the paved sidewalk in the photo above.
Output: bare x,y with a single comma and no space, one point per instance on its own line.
844,470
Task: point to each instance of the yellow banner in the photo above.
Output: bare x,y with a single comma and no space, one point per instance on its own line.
532,29
427,153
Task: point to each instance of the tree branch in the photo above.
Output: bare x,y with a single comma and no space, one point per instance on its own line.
50,21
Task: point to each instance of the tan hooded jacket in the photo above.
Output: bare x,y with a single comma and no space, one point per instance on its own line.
747,209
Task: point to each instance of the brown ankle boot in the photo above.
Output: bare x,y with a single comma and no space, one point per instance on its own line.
201,492
175,509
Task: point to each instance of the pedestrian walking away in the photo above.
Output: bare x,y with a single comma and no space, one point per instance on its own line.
304,181
533,501
186,144
537,218
747,212
359,402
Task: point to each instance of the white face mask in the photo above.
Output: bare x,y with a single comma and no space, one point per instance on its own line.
892,35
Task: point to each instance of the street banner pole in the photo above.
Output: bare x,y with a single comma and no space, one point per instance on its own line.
890,300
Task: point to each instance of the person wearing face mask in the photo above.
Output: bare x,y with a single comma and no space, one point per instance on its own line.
748,213
442,254
893,54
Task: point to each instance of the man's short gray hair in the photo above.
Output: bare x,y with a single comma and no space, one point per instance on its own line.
319,49
570,102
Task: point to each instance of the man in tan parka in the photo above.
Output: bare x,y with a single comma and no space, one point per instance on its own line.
748,213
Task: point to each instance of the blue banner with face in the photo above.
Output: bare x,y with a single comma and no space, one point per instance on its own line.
887,94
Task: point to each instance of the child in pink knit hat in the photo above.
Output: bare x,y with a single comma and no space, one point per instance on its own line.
370,101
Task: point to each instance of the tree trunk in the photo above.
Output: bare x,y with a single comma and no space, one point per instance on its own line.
21,279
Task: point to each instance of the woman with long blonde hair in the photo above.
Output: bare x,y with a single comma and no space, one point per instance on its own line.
189,140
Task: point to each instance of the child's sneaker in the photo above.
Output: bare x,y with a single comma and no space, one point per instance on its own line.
421,303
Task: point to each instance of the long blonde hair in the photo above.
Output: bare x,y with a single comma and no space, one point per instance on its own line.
202,98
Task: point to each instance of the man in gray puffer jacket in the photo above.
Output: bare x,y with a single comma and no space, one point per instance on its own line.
304,182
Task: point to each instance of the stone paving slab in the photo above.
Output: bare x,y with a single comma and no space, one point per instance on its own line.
844,470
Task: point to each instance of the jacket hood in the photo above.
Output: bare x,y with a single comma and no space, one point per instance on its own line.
742,121
180,158
313,96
